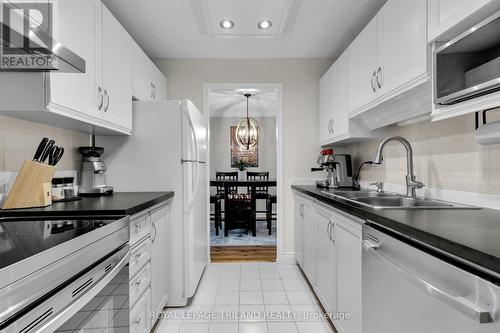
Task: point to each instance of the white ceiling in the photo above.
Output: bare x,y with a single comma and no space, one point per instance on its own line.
189,28
232,103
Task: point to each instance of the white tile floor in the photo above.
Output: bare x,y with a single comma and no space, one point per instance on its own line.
249,298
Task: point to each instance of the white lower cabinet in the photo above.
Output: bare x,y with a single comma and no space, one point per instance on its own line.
348,249
159,277
324,256
333,265
306,221
140,314
148,275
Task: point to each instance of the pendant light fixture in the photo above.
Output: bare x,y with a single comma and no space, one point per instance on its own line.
248,132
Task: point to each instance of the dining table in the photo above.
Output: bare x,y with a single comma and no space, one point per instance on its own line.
250,184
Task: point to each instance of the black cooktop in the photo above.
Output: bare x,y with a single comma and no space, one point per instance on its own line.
21,238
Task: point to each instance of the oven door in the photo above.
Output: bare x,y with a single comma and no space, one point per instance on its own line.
95,300
407,290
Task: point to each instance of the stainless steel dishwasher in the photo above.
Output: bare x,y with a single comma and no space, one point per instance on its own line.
408,290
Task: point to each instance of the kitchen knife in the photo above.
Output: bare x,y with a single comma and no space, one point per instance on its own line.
47,151
40,149
56,155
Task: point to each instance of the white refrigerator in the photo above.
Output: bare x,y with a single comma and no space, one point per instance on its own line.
167,152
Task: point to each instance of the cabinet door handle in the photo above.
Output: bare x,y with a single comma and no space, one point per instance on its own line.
331,126
152,90
330,231
156,232
379,77
101,98
107,100
373,81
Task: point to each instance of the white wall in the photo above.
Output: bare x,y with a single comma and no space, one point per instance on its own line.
300,78
220,145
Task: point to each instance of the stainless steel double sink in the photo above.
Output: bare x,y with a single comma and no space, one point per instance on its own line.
386,200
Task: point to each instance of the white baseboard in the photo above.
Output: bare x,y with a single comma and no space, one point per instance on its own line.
287,258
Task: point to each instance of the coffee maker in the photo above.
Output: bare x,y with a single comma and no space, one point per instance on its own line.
338,168
92,173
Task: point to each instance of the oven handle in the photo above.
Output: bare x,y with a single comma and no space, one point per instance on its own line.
460,304
76,306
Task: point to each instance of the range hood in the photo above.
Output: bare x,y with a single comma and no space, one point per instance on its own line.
35,51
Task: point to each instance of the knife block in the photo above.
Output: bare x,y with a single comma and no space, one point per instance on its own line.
32,187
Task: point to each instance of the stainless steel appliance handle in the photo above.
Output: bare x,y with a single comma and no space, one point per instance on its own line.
74,307
379,77
460,304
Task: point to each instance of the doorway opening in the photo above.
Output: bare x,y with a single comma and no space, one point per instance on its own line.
245,171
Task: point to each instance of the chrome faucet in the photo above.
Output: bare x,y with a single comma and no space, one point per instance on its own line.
411,182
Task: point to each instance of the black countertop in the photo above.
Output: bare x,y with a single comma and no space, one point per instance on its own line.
470,235
120,203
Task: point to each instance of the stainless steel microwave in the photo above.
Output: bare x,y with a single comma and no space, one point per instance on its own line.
468,66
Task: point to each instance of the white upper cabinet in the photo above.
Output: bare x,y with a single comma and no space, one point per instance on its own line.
77,27
117,72
391,58
402,44
446,15
141,83
335,126
363,64
99,100
148,82
326,106
340,93
159,82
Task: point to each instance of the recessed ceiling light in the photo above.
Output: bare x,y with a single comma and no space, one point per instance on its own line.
226,24
264,24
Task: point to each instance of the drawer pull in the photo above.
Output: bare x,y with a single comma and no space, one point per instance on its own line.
137,321
139,282
139,226
138,255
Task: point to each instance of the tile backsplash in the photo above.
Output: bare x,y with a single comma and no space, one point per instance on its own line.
446,156
19,140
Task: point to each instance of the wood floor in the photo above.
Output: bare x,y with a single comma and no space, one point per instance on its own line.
243,253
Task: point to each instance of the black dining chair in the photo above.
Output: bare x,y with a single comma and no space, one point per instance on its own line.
239,213
262,192
219,196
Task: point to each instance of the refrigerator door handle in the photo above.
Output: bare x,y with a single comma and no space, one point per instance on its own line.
197,150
